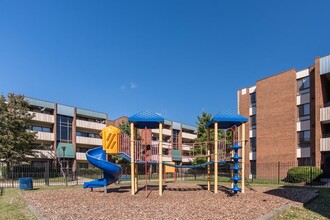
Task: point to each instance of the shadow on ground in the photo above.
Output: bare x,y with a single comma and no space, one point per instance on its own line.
314,199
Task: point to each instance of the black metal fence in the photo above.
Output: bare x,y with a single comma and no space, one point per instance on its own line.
272,173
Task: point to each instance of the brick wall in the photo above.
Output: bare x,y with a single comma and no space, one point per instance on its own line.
276,120
244,105
316,103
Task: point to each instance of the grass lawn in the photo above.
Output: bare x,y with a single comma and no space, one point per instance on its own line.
318,208
12,206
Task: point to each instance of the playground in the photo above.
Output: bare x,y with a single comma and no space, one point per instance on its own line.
145,152
161,199
183,201
140,197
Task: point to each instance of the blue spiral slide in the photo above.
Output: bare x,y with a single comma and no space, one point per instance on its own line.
111,171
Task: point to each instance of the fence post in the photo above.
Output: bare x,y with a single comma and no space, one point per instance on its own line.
47,173
12,175
278,172
310,174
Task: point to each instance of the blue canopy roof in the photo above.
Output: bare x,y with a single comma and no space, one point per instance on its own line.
227,119
146,119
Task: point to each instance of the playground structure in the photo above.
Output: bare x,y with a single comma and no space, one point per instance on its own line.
151,152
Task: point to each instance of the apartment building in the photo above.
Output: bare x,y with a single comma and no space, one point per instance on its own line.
65,132
289,118
178,139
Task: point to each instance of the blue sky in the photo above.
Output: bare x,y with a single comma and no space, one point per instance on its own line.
177,58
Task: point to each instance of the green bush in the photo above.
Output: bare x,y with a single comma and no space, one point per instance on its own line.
303,174
89,172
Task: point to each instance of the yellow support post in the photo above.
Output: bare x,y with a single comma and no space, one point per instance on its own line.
208,160
243,157
160,159
216,157
132,161
136,181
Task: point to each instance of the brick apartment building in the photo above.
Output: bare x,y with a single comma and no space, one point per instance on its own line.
289,119
65,132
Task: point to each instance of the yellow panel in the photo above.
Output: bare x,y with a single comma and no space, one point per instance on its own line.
110,139
169,169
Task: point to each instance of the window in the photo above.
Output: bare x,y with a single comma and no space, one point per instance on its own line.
82,149
253,168
253,120
304,139
303,84
253,99
85,134
175,134
40,129
64,129
253,144
304,136
303,110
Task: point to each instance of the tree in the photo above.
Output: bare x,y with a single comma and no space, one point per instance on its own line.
125,128
202,137
201,127
199,147
16,142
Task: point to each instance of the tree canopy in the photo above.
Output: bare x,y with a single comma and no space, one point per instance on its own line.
16,142
202,136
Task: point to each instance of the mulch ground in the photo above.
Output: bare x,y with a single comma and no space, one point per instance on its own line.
179,201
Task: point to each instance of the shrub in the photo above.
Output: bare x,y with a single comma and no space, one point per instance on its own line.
89,172
303,174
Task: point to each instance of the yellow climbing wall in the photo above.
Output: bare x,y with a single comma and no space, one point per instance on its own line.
110,139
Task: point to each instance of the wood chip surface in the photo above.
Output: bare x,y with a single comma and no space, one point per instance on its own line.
179,201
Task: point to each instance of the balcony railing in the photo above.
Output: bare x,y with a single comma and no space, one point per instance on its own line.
252,133
90,125
43,154
325,144
188,136
303,125
165,131
252,110
44,136
325,114
81,156
88,141
303,152
252,155
42,117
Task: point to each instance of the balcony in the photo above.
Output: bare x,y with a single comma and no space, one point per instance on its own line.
325,115
44,136
89,125
167,132
88,141
42,117
303,125
252,155
325,144
252,110
189,136
166,158
303,99
303,152
187,147
81,156
252,133
43,154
